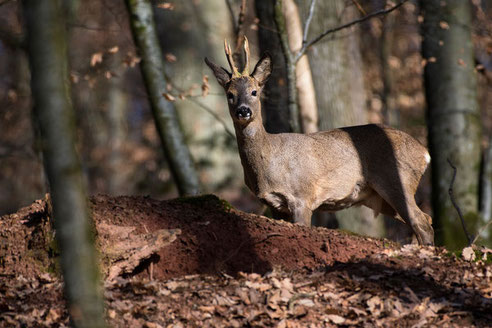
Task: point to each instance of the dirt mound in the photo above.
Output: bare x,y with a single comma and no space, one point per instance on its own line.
215,238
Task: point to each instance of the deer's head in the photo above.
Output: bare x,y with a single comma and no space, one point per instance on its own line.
243,90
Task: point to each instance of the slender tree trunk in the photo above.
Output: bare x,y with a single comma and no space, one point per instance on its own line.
453,115
486,188
290,65
308,109
172,138
340,93
117,101
275,106
54,114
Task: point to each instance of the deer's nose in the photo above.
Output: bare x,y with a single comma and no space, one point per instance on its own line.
243,112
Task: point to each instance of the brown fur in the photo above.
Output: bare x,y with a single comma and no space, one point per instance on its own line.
371,165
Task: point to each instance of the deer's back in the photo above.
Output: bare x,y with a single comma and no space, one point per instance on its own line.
381,150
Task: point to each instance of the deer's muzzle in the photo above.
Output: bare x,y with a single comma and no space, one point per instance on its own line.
243,112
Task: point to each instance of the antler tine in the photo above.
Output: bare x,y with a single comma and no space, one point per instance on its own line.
228,52
246,53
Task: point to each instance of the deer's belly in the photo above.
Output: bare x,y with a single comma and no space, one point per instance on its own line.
355,197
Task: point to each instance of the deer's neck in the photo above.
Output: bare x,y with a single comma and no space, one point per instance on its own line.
255,149
252,137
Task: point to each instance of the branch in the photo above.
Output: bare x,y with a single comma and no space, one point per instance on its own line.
214,114
336,29
201,105
480,232
451,195
308,22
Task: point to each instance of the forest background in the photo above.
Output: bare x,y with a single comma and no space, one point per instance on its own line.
371,72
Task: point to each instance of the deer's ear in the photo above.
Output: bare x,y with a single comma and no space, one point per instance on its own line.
221,74
263,69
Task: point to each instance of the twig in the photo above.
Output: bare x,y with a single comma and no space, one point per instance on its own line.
336,29
267,237
214,114
480,232
359,7
308,22
451,195
202,106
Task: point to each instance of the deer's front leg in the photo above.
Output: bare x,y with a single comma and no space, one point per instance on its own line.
302,215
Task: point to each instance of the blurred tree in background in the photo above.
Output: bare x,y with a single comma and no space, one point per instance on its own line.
371,72
47,48
453,114
167,124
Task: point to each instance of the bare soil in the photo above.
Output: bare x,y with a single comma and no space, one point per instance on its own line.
220,267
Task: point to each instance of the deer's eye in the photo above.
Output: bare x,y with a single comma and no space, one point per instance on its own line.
253,93
230,97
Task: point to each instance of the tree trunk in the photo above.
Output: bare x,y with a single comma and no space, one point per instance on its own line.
275,105
290,66
486,188
340,93
54,114
306,96
453,116
117,101
167,123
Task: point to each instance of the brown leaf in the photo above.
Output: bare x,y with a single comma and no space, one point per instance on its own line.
169,97
166,6
114,50
205,86
96,58
170,57
74,78
52,316
444,25
207,308
468,254
12,95
336,319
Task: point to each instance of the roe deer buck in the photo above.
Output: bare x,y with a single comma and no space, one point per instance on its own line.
370,165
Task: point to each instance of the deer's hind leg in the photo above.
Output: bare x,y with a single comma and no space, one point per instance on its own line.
402,200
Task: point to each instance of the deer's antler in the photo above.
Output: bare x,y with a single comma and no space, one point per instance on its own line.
246,55
228,52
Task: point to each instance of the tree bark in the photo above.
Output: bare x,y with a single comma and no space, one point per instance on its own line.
55,116
453,116
275,106
167,123
337,76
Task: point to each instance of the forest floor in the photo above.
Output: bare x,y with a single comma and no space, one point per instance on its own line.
197,262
